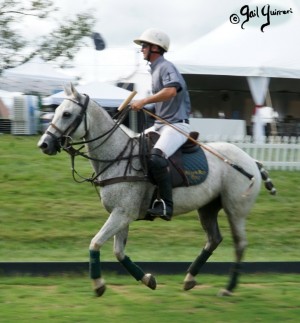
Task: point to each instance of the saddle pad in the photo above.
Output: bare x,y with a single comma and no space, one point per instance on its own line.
195,166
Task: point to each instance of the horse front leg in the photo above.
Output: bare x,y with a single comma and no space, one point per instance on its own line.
120,240
116,222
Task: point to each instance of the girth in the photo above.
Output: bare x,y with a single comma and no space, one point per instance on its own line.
120,179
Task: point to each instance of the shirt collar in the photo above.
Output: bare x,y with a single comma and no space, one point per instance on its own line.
156,62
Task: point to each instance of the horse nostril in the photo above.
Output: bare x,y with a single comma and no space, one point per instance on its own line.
43,145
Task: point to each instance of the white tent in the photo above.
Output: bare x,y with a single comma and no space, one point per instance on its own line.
231,50
243,58
35,76
105,94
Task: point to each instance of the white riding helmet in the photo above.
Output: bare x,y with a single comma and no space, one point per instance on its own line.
155,37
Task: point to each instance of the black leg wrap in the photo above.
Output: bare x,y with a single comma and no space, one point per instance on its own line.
132,268
234,275
199,262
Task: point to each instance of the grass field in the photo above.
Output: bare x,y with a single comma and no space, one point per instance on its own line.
46,216
260,298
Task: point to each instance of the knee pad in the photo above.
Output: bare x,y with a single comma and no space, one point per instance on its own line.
157,159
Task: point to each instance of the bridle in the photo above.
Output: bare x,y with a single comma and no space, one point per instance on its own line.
65,139
65,142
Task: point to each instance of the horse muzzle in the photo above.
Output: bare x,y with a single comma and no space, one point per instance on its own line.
49,145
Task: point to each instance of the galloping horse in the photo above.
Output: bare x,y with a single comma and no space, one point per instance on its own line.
114,152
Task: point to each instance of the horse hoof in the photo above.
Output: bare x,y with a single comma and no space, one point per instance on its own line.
149,281
225,292
189,284
152,283
100,290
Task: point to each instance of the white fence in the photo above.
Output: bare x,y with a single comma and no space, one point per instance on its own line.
280,153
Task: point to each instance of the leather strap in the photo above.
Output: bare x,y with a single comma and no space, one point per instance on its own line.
120,179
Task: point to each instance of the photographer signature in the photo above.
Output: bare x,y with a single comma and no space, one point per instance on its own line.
265,11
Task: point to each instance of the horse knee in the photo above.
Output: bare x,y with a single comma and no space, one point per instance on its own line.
119,255
94,246
213,243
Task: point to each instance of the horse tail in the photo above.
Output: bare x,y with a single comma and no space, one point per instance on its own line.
265,176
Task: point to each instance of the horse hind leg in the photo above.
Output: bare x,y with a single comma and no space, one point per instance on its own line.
237,226
208,216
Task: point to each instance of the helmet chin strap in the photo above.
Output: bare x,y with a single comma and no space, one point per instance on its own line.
152,52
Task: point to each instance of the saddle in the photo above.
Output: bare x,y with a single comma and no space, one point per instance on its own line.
188,165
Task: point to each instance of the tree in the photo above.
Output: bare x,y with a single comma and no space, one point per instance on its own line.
61,43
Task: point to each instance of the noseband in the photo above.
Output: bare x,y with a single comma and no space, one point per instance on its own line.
65,136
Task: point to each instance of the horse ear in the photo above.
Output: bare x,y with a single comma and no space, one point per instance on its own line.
71,91
68,89
74,92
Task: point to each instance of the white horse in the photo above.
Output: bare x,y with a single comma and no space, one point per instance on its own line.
126,193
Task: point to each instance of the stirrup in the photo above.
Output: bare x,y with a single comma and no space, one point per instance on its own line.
160,211
164,209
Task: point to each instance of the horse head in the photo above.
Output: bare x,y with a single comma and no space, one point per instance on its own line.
69,122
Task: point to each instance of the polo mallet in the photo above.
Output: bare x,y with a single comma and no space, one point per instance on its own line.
236,167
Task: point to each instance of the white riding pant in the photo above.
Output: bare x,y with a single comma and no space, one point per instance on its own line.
170,139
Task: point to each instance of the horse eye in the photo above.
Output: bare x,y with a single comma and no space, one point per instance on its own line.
66,114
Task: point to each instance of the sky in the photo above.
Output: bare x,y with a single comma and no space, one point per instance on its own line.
120,21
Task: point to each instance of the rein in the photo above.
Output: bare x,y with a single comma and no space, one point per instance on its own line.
65,142
110,162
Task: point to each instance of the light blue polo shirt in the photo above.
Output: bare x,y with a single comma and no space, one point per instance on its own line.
165,74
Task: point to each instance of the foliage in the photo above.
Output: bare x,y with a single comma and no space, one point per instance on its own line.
62,42
65,37
45,215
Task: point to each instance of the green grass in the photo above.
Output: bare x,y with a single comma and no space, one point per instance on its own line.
260,298
45,215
